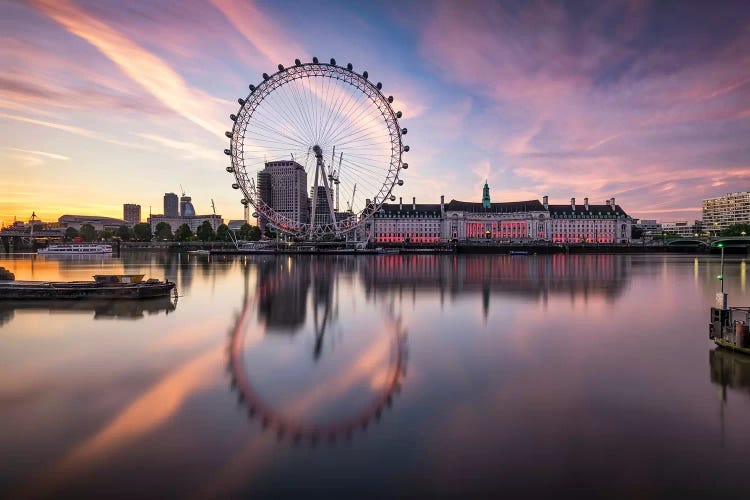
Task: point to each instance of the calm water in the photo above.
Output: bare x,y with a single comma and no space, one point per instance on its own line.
373,376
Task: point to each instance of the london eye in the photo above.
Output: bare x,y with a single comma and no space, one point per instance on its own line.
316,149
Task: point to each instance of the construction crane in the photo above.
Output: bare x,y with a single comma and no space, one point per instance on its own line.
354,192
213,207
182,190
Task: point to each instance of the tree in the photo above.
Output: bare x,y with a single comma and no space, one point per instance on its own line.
163,231
636,233
142,231
87,232
124,233
249,233
205,232
71,233
183,233
106,235
222,233
737,230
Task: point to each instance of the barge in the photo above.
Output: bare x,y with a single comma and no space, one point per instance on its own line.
104,286
729,328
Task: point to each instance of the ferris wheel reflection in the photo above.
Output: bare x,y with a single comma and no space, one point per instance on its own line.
304,361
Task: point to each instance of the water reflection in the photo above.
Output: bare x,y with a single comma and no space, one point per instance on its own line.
730,371
336,373
102,309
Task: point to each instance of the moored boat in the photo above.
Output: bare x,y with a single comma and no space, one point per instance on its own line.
76,249
114,286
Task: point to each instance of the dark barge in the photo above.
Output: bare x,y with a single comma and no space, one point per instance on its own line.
116,286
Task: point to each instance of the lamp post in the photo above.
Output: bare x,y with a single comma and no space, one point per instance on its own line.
721,271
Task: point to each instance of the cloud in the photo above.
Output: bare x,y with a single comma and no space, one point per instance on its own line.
272,39
52,156
188,150
144,67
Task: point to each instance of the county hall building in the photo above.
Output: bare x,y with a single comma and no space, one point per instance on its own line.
504,222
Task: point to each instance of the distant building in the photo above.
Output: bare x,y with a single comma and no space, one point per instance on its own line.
282,185
724,211
131,213
171,205
99,223
185,215
186,207
193,222
236,224
649,227
682,228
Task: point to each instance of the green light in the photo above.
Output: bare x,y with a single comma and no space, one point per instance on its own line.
720,245
720,277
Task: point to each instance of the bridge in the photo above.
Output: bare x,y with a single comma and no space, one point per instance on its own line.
732,242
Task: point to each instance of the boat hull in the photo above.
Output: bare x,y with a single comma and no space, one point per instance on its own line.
30,290
731,345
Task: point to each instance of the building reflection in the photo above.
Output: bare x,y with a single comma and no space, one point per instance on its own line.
299,295
525,277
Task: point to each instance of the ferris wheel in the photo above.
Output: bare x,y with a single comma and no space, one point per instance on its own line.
316,149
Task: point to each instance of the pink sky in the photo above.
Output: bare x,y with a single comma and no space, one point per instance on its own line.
104,103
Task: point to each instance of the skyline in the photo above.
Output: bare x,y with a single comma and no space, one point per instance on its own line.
102,105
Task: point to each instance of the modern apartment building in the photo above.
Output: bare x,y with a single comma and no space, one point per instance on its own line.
724,211
171,205
282,185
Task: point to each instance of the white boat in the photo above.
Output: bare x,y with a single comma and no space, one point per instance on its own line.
76,249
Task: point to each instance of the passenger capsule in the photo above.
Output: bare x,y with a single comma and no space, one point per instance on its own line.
281,67
251,87
400,182
349,66
406,149
265,76
315,60
228,152
365,75
403,131
230,169
228,134
379,85
255,215
390,98
297,62
241,101
333,62
398,114
233,117
392,198
244,201
405,166
235,186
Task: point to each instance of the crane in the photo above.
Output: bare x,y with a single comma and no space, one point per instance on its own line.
182,190
213,207
354,192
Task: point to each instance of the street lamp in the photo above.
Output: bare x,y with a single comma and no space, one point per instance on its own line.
721,271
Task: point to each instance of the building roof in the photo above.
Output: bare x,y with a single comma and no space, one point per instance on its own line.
409,210
88,218
566,211
503,207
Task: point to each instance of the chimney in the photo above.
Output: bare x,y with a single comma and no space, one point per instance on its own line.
400,204
442,205
613,203
414,203
545,202
573,204
586,204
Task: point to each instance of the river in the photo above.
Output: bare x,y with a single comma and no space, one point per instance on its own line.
373,376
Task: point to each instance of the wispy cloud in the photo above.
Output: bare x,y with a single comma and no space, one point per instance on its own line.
45,154
144,67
